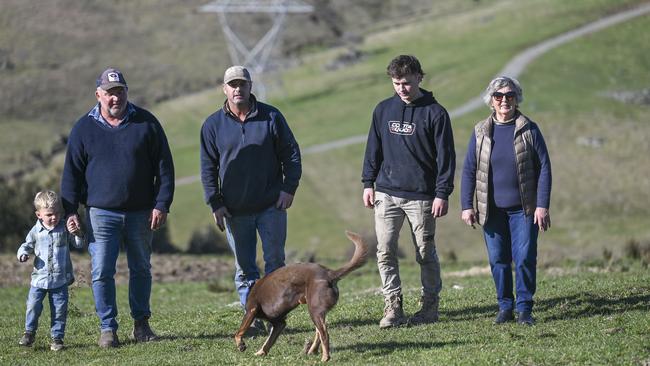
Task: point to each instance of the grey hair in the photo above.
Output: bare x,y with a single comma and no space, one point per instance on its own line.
501,82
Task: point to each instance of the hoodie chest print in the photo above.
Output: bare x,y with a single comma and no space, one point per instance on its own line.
401,127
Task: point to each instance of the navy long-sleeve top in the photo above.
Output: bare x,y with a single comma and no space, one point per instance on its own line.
410,149
128,168
245,165
503,184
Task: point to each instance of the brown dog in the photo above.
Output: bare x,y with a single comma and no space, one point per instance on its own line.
276,294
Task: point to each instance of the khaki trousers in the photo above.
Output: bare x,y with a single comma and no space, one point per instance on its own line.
390,213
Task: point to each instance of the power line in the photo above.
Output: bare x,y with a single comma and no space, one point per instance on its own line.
255,58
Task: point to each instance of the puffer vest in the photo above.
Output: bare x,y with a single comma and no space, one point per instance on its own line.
524,153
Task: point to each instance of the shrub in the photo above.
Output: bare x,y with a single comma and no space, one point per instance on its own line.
206,240
637,250
161,242
16,202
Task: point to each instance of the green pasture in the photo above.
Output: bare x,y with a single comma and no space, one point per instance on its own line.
585,315
593,310
597,200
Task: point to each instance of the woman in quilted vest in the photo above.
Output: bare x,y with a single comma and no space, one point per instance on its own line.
508,167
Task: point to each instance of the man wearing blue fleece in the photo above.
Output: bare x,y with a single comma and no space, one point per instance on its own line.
250,168
408,172
118,164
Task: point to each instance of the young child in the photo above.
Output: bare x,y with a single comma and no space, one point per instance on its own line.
48,241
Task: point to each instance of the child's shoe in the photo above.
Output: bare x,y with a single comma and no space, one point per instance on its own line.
27,340
57,344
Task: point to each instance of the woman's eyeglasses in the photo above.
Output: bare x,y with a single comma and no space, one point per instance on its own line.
499,96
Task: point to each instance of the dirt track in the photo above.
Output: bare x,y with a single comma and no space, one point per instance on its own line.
164,268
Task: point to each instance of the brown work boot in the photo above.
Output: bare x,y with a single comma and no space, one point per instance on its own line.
393,313
428,312
142,331
108,339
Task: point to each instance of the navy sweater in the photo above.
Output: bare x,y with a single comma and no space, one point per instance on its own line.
410,149
244,166
128,168
503,185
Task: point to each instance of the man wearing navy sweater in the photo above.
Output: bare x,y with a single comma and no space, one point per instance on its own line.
250,168
408,172
118,164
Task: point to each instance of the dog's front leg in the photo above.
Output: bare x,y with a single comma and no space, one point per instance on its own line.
275,332
245,324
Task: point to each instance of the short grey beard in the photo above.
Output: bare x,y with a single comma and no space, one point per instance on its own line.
110,112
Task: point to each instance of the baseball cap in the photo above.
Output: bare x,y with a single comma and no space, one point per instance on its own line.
236,73
111,78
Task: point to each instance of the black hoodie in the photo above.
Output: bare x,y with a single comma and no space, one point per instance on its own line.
410,150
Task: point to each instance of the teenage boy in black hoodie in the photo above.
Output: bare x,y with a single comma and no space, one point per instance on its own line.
408,172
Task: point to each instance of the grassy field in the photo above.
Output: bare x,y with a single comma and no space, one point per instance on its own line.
588,312
596,201
585,315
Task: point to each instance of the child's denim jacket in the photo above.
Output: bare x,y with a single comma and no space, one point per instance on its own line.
50,249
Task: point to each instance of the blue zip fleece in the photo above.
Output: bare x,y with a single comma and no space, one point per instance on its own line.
128,168
410,149
245,165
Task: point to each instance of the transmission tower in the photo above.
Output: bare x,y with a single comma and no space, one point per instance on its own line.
256,58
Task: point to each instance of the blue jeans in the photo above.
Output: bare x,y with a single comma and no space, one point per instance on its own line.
108,230
241,232
511,236
58,298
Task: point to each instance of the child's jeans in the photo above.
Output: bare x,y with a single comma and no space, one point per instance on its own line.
58,298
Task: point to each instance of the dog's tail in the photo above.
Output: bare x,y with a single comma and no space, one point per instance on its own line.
358,259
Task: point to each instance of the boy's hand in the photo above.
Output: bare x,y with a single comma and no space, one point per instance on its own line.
440,207
369,197
73,224
23,258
